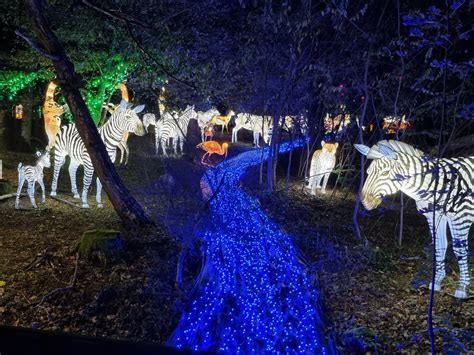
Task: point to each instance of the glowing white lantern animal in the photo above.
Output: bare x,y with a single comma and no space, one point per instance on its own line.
322,164
32,174
398,166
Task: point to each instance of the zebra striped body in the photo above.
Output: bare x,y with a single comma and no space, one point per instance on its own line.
32,174
69,143
400,167
173,128
322,164
257,124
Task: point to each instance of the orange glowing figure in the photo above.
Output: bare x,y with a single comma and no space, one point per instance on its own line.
208,132
52,112
392,124
212,147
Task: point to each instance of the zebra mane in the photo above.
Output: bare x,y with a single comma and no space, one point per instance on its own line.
400,147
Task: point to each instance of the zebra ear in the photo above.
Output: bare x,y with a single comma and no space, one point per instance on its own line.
323,143
139,109
123,105
363,149
387,151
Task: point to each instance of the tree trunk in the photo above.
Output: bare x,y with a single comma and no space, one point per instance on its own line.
124,204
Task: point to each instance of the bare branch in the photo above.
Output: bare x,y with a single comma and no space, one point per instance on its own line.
35,46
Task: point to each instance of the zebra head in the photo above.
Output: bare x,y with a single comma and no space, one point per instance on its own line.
130,119
382,174
149,119
43,159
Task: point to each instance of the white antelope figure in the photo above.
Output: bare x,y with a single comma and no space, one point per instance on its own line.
32,174
398,166
259,125
322,164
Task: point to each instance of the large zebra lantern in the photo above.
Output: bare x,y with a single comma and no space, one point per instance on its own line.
68,142
398,166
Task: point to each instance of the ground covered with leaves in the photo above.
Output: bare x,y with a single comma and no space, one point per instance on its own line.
375,297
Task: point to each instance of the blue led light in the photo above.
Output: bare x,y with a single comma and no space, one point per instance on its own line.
253,294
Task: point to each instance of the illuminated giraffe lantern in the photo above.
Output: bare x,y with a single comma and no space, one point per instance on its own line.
123,146
52,112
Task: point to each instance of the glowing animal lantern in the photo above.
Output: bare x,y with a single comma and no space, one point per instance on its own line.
212,147
223,120
322,164
398,166
32,174
393,124
209,132
52,112
204,118
336,124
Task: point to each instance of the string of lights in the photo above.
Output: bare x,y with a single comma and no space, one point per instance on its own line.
252,293
99,88
12,82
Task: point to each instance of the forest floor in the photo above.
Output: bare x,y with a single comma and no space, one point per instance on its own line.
375,298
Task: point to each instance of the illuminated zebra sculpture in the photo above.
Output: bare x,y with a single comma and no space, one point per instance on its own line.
69,142
32,174
398,166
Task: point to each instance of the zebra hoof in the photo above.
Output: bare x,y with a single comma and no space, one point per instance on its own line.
85,205
323,192
437,287
100,205
76,196
460,293
17,206
53,193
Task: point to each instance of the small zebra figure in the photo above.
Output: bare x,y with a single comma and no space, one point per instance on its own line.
398,166
322,164
173,128
32,174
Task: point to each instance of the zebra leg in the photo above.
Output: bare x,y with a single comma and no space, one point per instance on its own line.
73,165
88,172
98,195
43,195
127,153
163,147
21,181
441,244
58,163
31,193
157,142
175,146
460,234
181,145
325,182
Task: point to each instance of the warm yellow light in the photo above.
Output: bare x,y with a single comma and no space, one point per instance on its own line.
19,112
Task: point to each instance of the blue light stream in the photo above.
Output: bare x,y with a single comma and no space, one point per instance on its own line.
253,295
